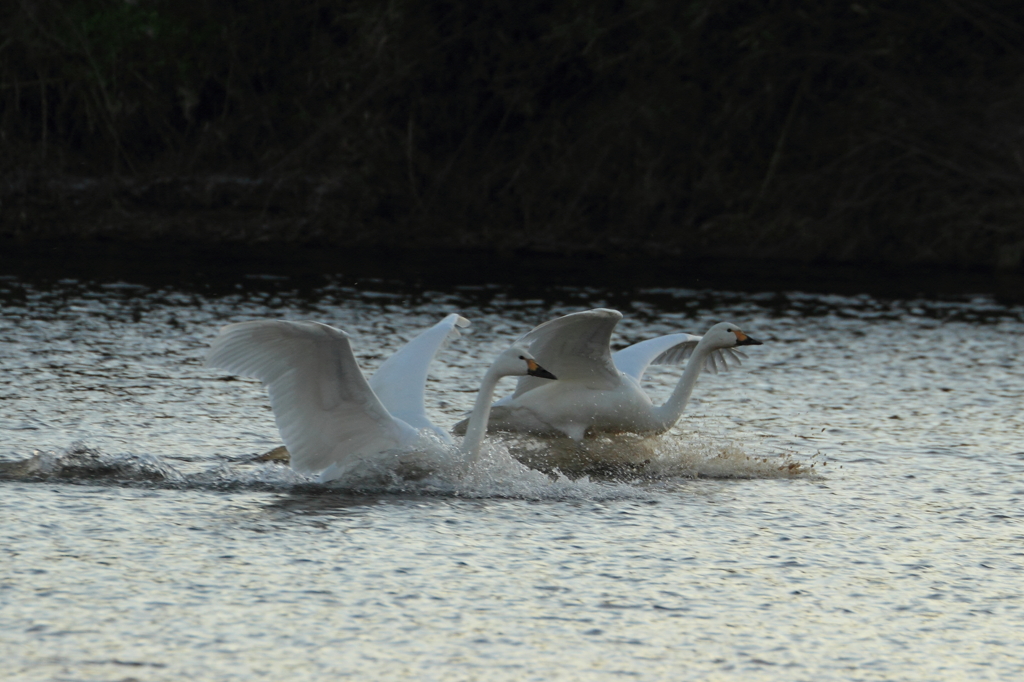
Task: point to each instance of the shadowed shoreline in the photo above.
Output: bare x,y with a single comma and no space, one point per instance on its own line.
210,265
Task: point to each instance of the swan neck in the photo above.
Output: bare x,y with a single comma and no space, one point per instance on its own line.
668,414
477,427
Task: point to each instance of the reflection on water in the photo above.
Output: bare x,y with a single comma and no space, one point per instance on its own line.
846,505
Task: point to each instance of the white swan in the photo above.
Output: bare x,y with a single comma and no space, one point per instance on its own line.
598,392
326,411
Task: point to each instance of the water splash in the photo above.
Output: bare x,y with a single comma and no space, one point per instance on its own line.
436,468
509,467
85,464
673,455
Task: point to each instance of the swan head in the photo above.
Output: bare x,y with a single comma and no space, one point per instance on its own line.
516,361
728,335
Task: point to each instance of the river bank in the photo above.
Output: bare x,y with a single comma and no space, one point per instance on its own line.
219,212
860,134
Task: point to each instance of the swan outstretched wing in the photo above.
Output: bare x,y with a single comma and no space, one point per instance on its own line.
574,348
671,349
400,383
324,409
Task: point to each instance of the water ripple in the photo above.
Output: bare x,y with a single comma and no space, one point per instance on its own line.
846,505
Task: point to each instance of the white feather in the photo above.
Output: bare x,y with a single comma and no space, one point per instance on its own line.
670,349
400,383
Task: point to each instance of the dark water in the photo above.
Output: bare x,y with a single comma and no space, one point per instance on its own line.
847,505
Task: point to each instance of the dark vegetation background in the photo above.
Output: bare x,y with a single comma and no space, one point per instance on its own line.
862,132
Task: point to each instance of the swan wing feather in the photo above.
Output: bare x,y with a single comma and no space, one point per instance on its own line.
670,349
723,359
574,347
323,406
400,383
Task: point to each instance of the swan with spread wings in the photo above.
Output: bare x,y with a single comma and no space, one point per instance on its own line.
599,391
328,414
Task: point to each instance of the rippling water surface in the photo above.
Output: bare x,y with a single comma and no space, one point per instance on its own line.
847,505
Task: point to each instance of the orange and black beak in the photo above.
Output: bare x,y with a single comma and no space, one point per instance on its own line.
538,371
744,340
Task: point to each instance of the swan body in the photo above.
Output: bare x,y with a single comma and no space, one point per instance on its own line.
326,412
600,392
